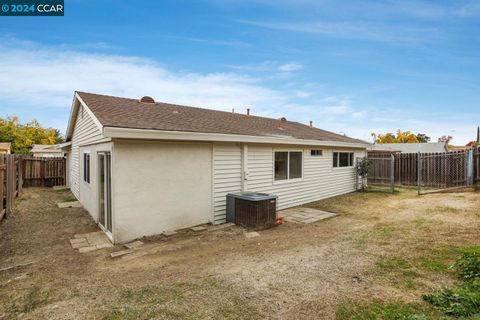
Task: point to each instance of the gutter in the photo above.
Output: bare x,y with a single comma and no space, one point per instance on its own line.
148,134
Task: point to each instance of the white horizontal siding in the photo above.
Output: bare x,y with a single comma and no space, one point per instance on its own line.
227,176
85,132
320,180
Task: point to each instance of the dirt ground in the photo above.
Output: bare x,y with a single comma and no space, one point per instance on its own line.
390,247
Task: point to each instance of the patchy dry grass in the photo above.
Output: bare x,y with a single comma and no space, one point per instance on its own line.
373,261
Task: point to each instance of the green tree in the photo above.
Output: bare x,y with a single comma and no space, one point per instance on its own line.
22,136
423,138
400,137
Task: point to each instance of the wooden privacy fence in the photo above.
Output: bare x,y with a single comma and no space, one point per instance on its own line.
11,182
381,170
44,172
427,170
17,172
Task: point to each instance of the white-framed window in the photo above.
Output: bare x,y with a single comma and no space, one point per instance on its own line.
316,153
86,167
343,159
288,165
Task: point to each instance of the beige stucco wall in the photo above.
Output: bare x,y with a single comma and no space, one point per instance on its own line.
160,186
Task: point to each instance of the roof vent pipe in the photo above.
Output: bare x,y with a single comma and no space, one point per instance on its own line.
248,111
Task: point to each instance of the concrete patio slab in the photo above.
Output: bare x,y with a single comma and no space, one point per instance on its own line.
305,215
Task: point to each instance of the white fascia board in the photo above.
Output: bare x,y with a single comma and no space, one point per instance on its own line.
147,134
90,113
72,118
74,114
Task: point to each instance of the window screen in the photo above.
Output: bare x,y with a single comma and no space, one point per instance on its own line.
343,159
288,165
295,165
281,165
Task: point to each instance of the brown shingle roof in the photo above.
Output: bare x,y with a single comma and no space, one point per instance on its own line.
130,113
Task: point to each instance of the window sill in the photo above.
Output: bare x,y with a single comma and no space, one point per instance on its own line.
286,181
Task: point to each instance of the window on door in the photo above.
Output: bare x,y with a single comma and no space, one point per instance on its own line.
288,165
86,167
343,159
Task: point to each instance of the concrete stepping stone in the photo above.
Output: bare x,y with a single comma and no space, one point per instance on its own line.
198,228
87,249
70,204
222,226
251,234
58,188
120,253
134,244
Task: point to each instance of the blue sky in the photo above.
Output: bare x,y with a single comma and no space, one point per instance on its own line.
354,67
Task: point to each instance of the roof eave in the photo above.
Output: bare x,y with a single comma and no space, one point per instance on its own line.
77,102
148,134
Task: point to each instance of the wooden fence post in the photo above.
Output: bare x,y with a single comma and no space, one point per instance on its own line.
419,173
2,189
20,175
10,184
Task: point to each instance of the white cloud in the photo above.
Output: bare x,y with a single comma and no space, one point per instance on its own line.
290,67
45,76
358,30
38,82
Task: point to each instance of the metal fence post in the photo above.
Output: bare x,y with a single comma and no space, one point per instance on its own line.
392,173
469,158
419,172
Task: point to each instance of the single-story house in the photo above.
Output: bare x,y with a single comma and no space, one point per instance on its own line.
46,150
5,147
429,147
141,167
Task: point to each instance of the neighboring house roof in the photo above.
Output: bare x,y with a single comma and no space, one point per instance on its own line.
471,144
410,147
458,148
118,112
45,148
5,145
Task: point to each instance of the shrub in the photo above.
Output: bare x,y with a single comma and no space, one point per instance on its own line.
461,301
379,310
468,267
464,300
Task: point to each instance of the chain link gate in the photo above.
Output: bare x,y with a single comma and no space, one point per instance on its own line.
444,171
